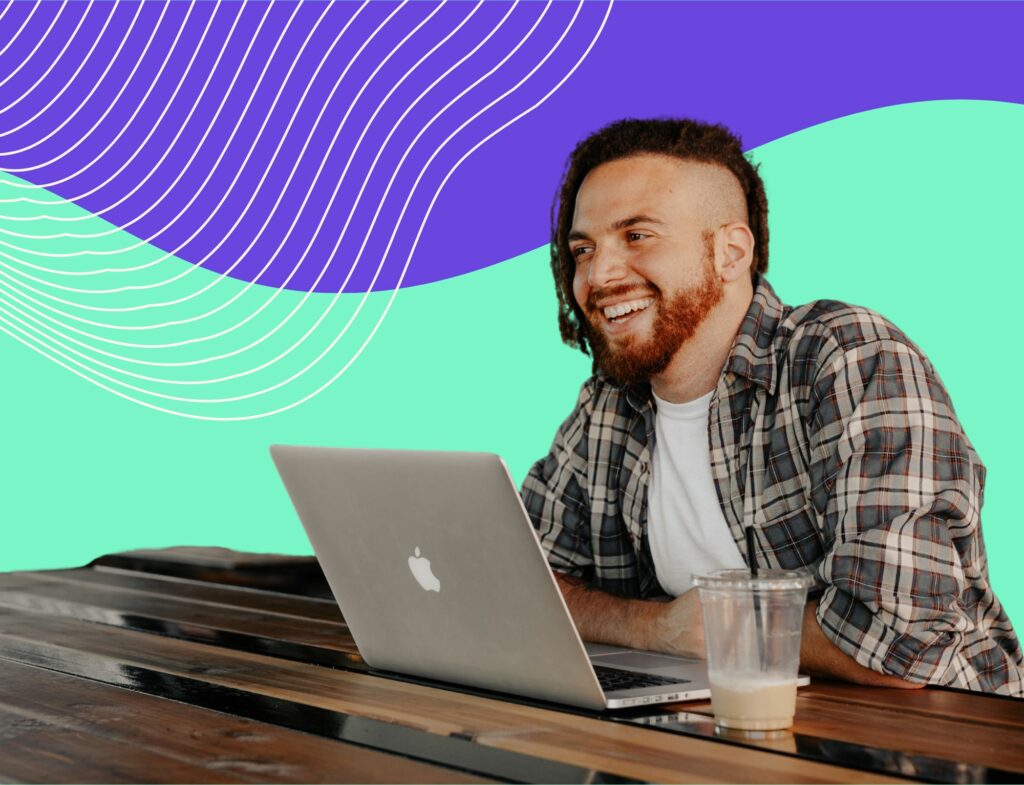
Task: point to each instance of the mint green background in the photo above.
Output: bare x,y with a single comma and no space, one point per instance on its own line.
912,210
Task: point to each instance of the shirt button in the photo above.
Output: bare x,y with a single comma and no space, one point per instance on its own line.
643,467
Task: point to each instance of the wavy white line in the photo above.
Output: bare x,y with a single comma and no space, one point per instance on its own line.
125,83
408,260
57,59
41,41
282,322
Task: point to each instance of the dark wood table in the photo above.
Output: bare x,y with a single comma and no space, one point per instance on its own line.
206,665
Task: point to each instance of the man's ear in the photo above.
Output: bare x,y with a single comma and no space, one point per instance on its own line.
734,251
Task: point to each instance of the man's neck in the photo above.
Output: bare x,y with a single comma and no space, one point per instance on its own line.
694,369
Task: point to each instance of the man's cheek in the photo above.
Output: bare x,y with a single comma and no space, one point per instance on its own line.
580,292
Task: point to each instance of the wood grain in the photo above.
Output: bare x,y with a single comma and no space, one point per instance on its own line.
198,591
58,728
926,704
916,722
74,621
984,744
86,601
629,751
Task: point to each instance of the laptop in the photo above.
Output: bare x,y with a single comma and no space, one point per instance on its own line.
439,574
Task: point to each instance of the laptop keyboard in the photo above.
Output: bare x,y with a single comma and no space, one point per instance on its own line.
618,679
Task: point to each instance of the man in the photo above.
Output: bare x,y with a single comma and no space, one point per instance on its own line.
714,408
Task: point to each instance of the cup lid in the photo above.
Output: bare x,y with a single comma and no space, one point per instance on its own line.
766,580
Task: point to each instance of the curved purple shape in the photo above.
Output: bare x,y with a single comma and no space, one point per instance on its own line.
764,69
241,174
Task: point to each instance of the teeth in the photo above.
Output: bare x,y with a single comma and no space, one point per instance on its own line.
621,309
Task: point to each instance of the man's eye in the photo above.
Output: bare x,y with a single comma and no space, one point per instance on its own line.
579,250
633,236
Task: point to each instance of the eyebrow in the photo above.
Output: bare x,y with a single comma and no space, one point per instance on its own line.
624,223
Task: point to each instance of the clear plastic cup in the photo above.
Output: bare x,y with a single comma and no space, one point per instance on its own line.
752,629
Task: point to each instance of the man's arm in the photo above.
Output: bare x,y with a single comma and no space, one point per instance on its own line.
821,657
673,627
897,488
676,627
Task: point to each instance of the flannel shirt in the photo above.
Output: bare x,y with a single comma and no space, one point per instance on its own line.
833,437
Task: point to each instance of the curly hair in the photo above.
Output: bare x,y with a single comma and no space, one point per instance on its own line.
688,140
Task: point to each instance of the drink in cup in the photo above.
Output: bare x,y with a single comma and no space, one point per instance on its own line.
752,627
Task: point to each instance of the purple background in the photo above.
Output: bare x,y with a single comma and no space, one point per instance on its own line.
764,69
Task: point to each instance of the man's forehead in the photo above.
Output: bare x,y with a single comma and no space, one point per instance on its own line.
659,186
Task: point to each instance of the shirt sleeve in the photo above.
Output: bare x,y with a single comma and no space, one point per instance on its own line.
554,494
900,487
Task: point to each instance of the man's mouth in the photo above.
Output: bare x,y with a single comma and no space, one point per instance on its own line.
621,312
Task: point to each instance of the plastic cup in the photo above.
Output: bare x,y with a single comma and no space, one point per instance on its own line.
752,629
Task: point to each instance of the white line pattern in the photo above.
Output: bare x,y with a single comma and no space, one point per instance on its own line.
286,225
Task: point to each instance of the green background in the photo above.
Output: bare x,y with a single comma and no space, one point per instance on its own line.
912,210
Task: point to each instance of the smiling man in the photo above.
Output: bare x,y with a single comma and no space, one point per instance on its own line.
715,407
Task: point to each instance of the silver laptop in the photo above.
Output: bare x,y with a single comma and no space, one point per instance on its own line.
439,574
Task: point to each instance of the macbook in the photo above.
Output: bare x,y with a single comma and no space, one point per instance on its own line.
439,573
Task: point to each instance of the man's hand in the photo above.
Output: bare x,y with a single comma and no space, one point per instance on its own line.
679,627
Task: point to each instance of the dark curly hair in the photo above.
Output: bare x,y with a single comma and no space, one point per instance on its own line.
689,140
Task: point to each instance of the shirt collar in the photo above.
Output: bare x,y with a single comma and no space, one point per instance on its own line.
752,355
639,396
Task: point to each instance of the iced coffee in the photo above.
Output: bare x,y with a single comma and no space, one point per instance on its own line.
752,628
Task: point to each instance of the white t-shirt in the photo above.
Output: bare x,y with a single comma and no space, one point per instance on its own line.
687,531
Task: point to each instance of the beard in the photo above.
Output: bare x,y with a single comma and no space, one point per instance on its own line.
633,359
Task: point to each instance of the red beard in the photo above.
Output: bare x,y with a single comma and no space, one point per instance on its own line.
631,360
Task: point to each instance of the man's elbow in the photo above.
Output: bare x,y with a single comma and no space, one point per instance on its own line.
819,656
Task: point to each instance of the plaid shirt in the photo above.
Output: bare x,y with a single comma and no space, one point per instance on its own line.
832,436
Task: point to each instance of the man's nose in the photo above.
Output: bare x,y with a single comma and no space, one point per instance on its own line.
606,268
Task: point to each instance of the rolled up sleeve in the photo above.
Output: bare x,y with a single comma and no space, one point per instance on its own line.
900,488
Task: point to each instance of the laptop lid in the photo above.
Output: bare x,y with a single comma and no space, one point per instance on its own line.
437,569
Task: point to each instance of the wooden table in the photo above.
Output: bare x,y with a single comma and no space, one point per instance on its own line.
205,665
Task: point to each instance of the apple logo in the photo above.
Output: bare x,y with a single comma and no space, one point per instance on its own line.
421,571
